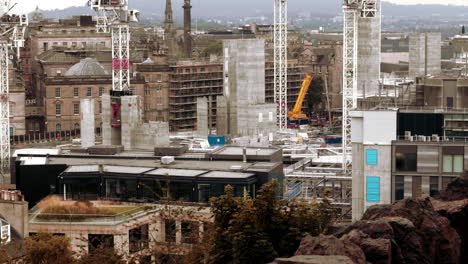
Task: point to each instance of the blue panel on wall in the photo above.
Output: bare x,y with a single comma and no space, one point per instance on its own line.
371,157
373,189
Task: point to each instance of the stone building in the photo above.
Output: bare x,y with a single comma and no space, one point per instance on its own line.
62,94
17,103
78,32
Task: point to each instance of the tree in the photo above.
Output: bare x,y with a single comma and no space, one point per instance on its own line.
261,229
45,248
214,49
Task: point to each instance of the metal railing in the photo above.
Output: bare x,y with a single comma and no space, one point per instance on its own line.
432,139
41,137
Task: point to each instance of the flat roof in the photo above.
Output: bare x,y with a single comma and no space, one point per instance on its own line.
224,174
233,150
149,163
82,168
126,169
176,172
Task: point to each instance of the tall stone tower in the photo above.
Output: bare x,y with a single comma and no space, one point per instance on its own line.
169,29
187,29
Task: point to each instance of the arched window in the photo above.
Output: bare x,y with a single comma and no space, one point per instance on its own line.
77,126
58,127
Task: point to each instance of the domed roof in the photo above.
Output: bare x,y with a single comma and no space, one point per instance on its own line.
148,61
87,67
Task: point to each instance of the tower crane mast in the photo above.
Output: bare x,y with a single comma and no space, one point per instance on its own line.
352,11
280,38
12,37
114,16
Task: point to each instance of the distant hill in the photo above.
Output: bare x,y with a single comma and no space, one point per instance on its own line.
249,8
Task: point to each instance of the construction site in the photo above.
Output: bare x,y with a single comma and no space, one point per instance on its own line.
343,122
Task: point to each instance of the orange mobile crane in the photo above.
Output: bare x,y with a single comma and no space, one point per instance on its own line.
296,116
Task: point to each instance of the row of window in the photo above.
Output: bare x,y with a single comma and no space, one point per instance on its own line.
191,70
76,108
373,187
76,91
416,186
58,127
406,159
73,44
138,238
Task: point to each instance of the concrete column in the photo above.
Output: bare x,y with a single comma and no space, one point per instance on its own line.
358,182
78,241
88,130
131,116
178,231
122,243
106,119
202,117
425,186
221,116
408,186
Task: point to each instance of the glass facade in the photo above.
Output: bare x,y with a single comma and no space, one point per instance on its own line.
148,190
399,188
434,186
453,163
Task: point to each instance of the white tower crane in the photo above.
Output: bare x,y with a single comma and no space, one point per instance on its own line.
113,16
352,11
280,38
12,37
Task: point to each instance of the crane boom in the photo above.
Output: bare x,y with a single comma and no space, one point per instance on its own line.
296,113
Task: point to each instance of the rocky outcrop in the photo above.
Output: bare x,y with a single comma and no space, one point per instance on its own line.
422,231
453,204
456,190
409,231
331,245
431,240
457,213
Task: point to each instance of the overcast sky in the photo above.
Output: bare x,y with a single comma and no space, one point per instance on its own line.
25,6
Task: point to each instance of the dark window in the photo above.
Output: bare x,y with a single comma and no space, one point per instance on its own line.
101,90
138,238
76,109
399,188
58,109
57,92
406,158
170,230
76,92
190,232
434,186
96,241
449,102
89,91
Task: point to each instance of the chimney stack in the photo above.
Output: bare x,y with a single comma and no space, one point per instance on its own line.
187,29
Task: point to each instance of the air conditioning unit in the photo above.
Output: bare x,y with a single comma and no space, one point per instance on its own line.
435,138
408,136
167,160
